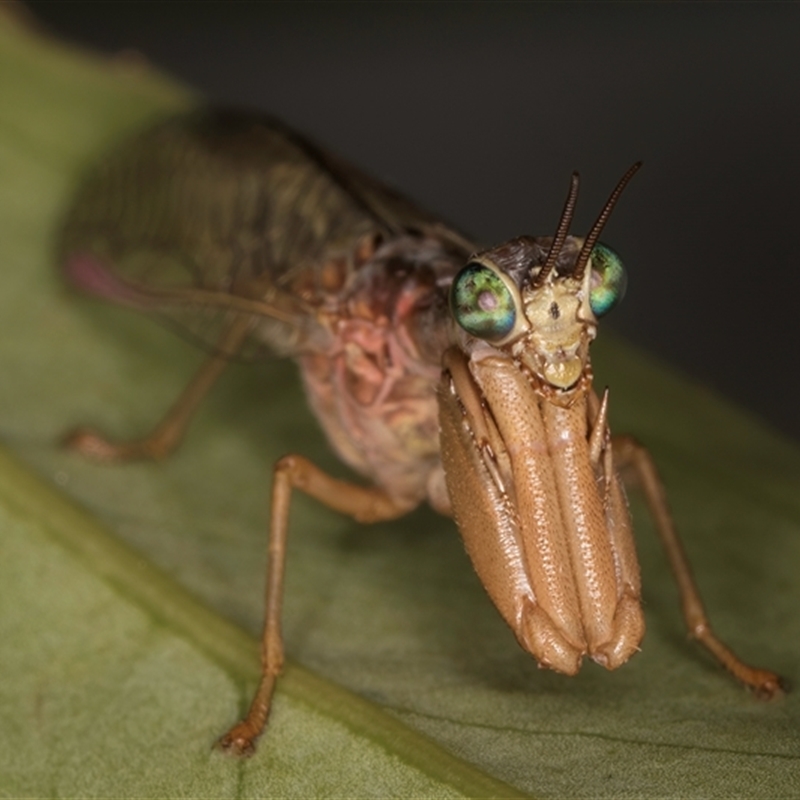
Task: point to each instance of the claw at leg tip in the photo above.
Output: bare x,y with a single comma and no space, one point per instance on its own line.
236,745
775,686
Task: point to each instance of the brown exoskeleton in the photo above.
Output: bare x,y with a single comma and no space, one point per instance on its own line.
440,374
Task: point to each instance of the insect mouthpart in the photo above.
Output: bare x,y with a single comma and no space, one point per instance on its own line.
561,369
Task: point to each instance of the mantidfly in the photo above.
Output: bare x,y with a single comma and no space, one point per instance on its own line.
440,372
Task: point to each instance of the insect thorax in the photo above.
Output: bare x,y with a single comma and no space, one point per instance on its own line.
373,388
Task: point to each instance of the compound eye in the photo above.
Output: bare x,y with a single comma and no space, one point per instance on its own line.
482,303
609,280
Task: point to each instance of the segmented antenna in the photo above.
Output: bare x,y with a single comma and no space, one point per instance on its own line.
561,231
597,228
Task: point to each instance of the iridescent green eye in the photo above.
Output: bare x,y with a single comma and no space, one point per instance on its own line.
609,280
482,303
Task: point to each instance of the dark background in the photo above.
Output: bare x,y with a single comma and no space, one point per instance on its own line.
480,111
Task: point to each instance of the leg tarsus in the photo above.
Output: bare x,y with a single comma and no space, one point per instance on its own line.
163,440
764,683
94,445
241,739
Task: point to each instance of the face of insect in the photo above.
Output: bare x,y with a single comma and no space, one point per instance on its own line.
545,322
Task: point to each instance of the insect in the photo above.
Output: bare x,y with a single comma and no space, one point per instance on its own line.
439,371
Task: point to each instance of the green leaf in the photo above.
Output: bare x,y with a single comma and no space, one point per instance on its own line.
116,682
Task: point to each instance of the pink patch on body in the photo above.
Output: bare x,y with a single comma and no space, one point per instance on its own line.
90,274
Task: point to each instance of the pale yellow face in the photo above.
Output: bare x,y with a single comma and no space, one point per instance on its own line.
560,326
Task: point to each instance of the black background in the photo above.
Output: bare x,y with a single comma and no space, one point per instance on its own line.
480,111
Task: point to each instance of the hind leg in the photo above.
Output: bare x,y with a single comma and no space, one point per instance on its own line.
169,432
631,455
